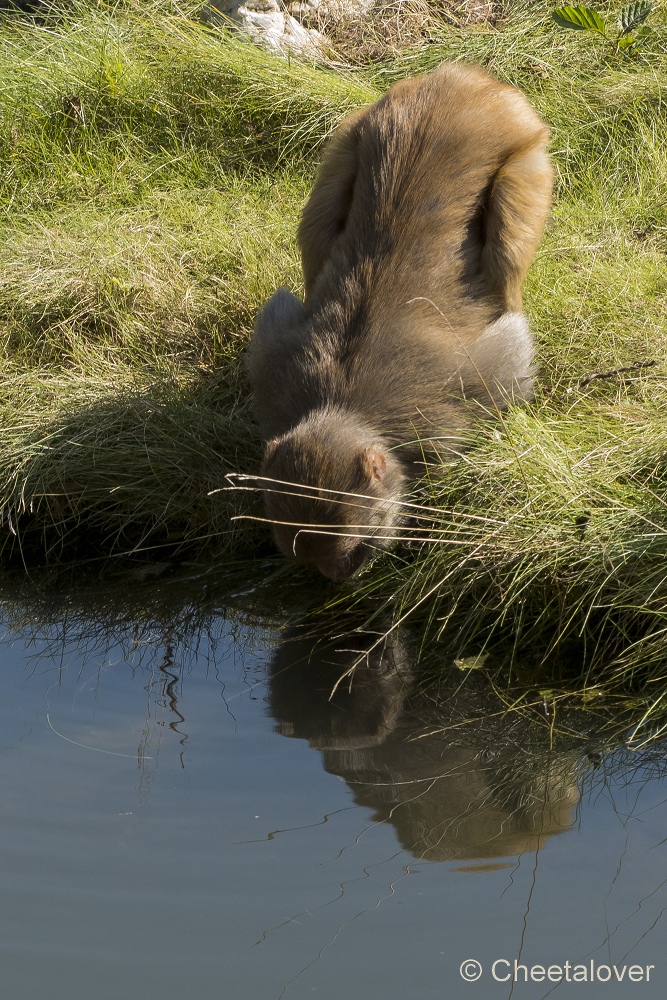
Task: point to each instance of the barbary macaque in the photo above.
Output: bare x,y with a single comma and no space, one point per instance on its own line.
415,241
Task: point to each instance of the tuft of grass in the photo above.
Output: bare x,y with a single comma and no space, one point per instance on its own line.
551,530
151,172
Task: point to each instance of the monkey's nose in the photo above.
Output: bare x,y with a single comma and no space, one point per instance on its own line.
345,566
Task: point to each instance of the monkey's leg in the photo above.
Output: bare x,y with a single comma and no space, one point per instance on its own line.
279,314
327,209
516,211
499,365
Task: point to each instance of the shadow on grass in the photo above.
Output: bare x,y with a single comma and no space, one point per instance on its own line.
128,472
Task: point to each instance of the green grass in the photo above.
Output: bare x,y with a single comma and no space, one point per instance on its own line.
152,172
151,175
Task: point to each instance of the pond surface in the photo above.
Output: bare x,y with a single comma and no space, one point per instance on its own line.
187,814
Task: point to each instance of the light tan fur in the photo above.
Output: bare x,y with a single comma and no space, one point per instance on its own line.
415,241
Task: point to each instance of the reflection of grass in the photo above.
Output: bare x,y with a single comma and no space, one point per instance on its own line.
524,712
152,173
519,721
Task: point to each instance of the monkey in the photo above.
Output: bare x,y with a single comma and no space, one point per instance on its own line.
415,241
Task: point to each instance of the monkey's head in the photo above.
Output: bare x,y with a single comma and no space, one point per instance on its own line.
335,498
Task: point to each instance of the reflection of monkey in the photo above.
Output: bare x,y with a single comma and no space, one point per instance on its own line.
346,693
415,241
452,802
454,785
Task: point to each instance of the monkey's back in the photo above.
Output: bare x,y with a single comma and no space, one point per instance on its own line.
409,177
424,216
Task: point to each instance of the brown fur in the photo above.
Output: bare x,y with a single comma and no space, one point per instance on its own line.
415,242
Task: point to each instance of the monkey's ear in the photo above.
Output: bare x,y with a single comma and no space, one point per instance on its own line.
374,463
270,448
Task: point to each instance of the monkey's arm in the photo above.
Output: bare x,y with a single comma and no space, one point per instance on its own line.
517,209
326,211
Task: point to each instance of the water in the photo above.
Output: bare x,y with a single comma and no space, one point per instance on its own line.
185,813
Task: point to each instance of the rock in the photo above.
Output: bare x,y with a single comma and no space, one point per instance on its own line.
267,25
262,6
281,33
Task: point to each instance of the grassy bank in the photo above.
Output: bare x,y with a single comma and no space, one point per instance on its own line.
152,173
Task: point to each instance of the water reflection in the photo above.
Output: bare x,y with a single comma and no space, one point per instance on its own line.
425,760
199,851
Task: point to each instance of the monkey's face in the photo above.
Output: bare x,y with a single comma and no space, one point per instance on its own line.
331,492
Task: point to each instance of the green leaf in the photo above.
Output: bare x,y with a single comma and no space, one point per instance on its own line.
626,42
632,15
580,18
472,662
